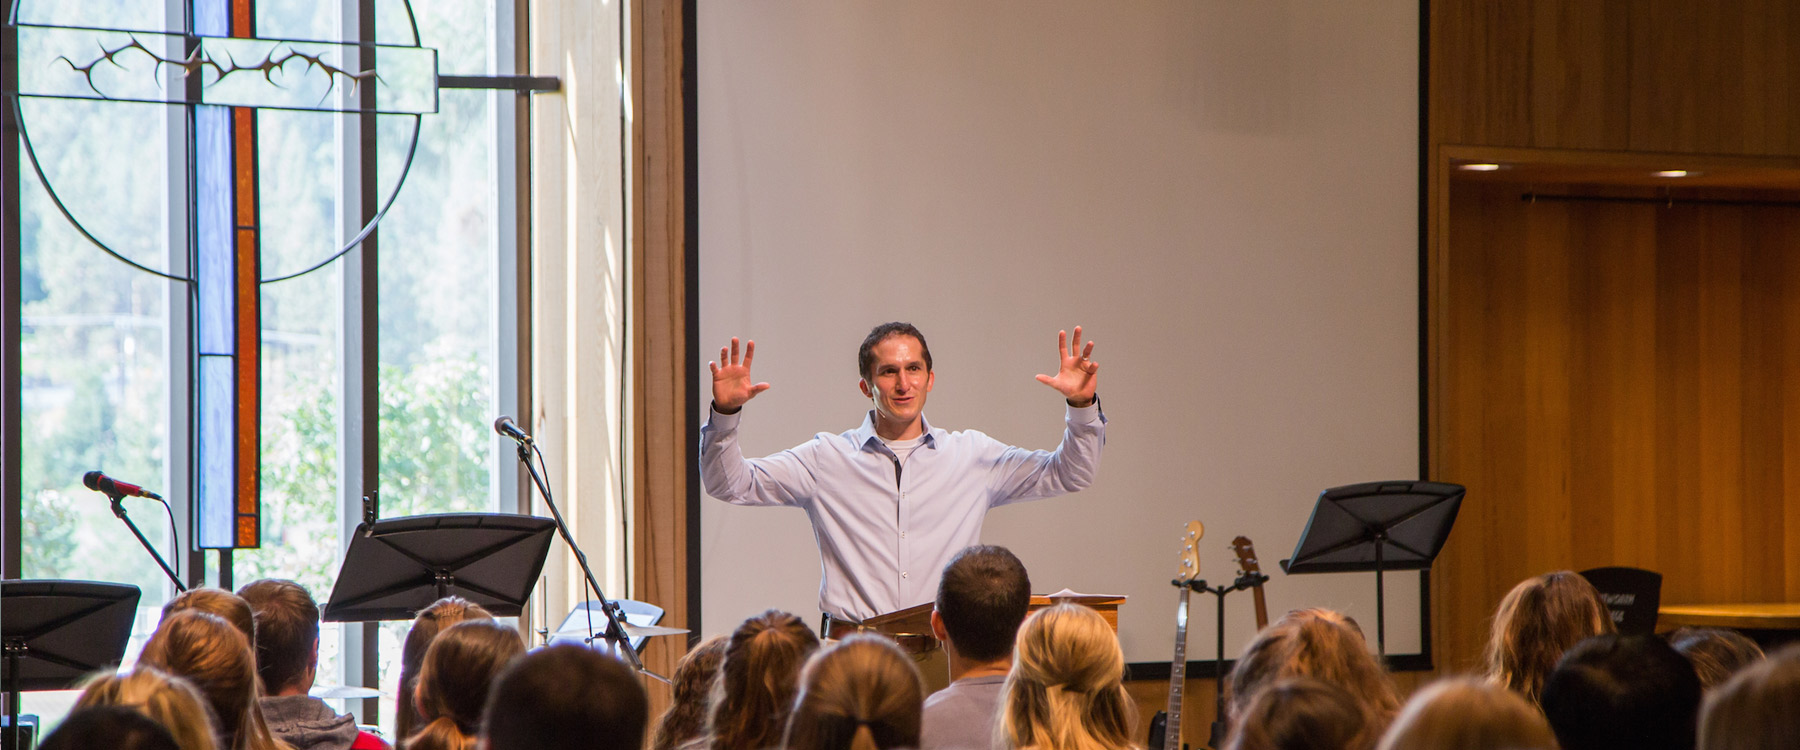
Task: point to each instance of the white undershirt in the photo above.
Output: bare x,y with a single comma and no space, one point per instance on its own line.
903,449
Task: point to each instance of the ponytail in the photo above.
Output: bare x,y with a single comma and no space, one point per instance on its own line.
441,734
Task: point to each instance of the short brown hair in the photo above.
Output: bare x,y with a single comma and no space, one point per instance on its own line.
287,626
565,697
865,354
982,598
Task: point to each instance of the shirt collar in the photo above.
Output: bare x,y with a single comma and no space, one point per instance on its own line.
865,435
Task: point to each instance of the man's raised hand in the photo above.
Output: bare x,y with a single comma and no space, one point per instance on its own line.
731,382
1076,375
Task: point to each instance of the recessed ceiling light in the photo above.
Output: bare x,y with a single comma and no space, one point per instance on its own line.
1672,173
1479,167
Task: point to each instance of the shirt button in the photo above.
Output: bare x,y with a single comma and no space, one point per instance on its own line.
902,574
902,535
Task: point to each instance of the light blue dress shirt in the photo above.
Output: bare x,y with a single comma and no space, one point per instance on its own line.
885,534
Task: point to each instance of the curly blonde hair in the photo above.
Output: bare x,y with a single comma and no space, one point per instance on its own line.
1322,644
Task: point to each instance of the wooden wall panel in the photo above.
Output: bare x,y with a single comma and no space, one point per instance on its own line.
1619,388
1669,76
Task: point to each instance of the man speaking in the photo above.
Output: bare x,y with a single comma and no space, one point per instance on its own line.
892,501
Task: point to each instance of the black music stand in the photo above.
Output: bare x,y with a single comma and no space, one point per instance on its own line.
57,633
1378,526
398,566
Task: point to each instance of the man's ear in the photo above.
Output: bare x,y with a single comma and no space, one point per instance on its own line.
864,385
937,626
930,377
315,652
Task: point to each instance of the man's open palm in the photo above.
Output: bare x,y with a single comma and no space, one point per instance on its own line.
731,381
1076,376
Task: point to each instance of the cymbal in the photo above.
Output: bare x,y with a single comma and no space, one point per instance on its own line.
346,691
635,631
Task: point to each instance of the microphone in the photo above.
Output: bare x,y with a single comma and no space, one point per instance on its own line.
99,482
504,425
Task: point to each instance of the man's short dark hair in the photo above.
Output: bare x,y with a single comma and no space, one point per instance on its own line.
982,598
566,697
865,355
287,626
1614,691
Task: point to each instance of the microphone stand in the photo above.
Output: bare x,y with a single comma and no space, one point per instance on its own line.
615,627
118,509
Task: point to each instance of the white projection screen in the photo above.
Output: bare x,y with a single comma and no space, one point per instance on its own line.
1224,194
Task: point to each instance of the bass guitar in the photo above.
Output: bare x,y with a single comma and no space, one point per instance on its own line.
1165,727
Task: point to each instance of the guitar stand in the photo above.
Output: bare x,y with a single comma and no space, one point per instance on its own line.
1220,727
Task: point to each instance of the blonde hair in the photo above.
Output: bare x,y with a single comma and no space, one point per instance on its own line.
1301,713
862,694
207,651
167,700
459,669
692,695
757,682
1537,621
1468,714
233,608
425,628
1066,690
1757,709
1321,644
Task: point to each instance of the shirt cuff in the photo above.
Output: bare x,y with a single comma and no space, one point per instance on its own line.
1089,414
719,421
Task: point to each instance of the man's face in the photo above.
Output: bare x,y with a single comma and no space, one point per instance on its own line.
898,379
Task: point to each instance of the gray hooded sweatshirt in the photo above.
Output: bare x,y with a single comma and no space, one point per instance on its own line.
308,723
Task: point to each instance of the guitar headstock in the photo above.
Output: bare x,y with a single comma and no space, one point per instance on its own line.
1190,551
1246,554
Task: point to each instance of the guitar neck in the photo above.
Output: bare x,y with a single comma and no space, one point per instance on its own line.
1262,608
1177,677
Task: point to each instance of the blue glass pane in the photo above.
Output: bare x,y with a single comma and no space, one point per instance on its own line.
212,17
215,507
213,235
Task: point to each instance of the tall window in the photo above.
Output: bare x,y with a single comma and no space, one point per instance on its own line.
108,347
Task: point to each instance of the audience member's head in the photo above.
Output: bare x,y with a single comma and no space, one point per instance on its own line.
1065,691
111,727
1468,714
1757,709
454,681
287,635
1622,692
692,695
566,697
171,702
218,602
757,681
862,694
206,650
1301,713
1537,621
430,621
1320,644
981,599
1716,653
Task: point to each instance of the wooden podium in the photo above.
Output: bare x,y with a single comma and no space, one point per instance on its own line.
911,628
